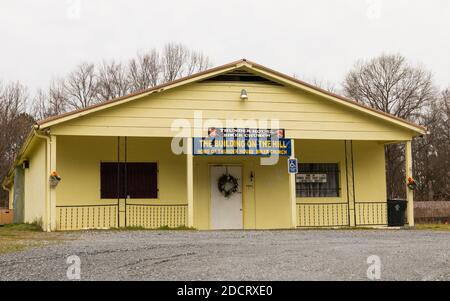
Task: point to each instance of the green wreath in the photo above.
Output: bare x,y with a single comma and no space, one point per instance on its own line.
227,185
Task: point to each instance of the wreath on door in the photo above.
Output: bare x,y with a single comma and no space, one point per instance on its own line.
227,185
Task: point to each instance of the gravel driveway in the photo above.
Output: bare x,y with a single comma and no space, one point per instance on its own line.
237,255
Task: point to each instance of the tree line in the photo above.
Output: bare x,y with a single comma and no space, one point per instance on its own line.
389,83
85,85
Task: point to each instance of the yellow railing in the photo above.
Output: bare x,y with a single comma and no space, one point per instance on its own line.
322,215
86,217
156,216
371,213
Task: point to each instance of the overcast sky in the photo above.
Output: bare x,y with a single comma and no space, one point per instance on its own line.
43,39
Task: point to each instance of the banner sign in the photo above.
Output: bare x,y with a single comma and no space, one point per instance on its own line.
245,133
242,142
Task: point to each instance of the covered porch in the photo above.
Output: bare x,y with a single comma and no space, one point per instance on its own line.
270,197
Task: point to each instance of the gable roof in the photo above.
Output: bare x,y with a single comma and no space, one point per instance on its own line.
240,64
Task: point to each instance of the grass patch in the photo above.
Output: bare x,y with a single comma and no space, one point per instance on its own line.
18,237
175,228
433,227
135,228
22,227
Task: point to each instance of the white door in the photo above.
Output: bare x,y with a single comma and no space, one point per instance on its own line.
226,212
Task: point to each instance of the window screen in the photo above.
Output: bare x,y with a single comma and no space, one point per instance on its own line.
317,180
136,180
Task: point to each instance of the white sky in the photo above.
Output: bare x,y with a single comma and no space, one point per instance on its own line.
43,39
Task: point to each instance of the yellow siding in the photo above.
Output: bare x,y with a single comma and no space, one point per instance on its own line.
370,173
273,205
303,115
35,184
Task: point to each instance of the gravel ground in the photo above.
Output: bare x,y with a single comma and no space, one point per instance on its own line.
237,255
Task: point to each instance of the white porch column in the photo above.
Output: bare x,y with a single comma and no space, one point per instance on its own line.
409,192
52,192
49,218
190,182
293,191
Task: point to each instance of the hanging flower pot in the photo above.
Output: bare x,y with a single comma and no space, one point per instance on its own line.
411,183
54,179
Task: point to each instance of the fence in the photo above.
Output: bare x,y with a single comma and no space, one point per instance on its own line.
322,215
6,216
79,217
156,216
371,213
86,217
339,214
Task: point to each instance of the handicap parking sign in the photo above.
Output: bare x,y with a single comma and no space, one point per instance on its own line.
293,165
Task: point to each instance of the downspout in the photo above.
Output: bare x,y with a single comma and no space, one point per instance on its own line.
48,212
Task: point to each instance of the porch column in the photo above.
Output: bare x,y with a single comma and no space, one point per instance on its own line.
409,192
350,180
190,182
292,191
52,192
49,218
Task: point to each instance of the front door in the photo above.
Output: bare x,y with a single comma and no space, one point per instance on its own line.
226,211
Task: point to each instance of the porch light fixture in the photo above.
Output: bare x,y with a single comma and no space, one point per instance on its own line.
244,95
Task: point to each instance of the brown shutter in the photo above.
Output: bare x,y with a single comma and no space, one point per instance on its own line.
108,180
142,180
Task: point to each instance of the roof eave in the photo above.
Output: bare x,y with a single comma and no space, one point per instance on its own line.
267,72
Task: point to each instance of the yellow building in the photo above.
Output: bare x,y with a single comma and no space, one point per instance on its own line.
121,162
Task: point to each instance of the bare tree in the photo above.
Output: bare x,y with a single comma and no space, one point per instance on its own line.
324,85
14,125
173,61
144,71
81,86
392,85
197,61
50,103
40,109
432,153
113,81
150,69
57,98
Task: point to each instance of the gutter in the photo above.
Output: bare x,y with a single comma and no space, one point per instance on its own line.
48,198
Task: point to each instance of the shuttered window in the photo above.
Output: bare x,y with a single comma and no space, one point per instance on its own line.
136,180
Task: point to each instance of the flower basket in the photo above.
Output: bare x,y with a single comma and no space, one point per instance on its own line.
411,184
54,179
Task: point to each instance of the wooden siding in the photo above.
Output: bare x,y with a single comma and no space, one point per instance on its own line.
303,115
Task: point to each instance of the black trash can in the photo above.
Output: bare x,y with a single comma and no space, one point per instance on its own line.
397,212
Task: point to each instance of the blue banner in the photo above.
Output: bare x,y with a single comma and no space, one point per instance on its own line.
241,147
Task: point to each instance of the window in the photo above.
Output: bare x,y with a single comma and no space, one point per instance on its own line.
317,180
136,180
